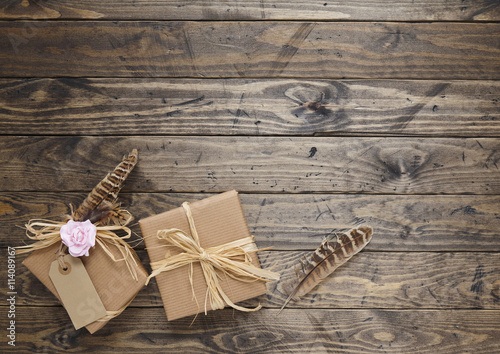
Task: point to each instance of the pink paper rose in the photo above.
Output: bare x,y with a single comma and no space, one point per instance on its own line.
79,237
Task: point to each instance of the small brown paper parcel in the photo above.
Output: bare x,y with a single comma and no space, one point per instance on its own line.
112,265
219,220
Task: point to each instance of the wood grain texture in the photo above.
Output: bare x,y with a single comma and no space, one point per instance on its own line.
323,115
250,49
256,164
227,331
396,280
301,221
420,10
389,280
249,107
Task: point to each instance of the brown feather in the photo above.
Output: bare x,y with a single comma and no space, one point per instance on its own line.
101,205
327,258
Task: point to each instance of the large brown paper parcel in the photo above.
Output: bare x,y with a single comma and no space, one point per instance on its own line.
218,220
112,280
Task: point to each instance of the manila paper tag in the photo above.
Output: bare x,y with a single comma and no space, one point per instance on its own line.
77,293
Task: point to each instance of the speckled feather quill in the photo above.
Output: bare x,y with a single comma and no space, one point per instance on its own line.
327,258
100,206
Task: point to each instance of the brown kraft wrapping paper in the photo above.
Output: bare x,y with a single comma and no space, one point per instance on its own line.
112,280
218,220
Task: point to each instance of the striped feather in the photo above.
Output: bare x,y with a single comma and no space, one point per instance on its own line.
327,258
100,206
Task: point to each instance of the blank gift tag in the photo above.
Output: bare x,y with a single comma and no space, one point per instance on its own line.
77,292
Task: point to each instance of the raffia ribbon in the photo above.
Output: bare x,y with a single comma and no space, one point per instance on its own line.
47,233
231,259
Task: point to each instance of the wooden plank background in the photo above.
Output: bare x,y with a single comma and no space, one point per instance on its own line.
403,10
453,108
323,115
381,50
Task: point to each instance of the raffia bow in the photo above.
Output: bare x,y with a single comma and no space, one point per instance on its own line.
231,259
47,233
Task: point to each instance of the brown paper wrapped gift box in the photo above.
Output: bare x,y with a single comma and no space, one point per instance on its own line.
112,280
218,220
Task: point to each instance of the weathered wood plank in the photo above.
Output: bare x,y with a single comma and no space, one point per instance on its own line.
401,10
392,280
249,107
256,164
250,49
227,331
396,280
301,221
